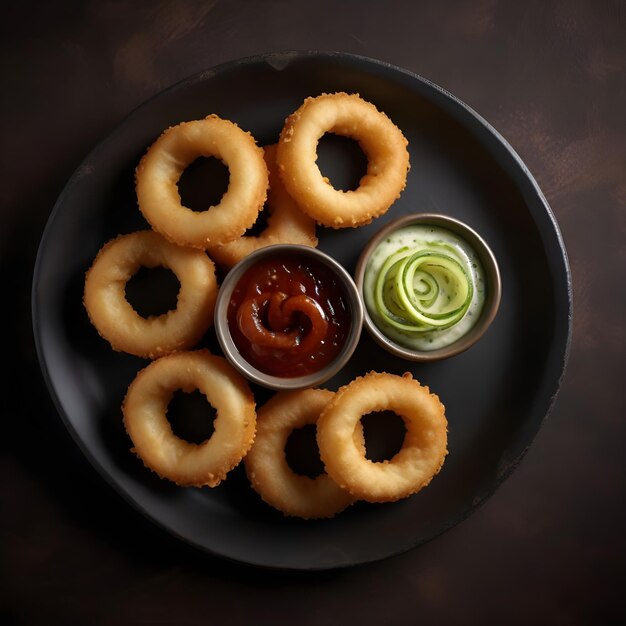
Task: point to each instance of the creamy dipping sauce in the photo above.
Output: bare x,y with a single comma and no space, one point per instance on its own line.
424,287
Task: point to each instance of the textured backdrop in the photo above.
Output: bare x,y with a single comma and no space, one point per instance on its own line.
549,546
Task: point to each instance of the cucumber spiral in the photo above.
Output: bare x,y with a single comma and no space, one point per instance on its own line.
420,290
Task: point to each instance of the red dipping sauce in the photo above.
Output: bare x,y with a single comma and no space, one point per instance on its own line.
289,316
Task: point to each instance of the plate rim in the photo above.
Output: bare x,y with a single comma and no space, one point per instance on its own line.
278,61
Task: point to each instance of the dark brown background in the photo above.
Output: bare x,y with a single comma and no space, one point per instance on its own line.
549,546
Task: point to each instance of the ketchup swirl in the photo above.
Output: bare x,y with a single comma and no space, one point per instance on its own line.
288,316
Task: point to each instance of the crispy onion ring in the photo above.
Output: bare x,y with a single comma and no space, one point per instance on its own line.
268,470
161,167
382,142
423,450
286,222
116,320
145,418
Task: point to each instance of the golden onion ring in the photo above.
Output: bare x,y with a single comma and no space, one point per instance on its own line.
145,418
423,450
115,319
267,468
286,223
160,169
382,142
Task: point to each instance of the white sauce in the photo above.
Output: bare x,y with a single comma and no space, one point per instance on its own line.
425,236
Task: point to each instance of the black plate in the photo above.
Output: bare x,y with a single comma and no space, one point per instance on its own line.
496,394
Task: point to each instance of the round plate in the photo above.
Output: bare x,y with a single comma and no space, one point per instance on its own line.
496,394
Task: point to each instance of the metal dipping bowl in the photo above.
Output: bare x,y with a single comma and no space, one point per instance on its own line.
493,286
277,382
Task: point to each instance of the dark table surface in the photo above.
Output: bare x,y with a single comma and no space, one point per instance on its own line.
549,546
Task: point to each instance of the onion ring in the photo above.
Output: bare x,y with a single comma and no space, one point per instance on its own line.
423,450
145,418
161,167
267,468
382,142
116,320
286,222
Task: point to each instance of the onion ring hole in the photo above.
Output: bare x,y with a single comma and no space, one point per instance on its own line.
191,416
203,183
302,453
341,160
384,433
152,291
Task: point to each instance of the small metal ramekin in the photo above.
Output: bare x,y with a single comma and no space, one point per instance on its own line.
492,279
278,382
